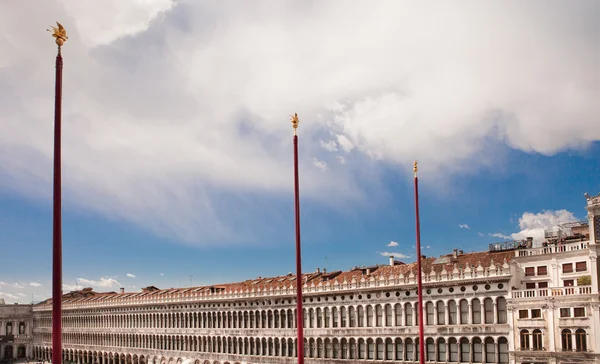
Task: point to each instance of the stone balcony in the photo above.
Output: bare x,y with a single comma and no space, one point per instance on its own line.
552,292
552,249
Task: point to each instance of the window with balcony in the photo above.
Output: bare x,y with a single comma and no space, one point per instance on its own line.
567,268
565,312
536,313
542,271
542,284
568,283
530,271
523,314
580,266
579,312
530,285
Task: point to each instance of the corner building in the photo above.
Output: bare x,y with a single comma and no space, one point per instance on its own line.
474,307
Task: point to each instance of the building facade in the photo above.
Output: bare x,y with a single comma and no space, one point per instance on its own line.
514,303
16,332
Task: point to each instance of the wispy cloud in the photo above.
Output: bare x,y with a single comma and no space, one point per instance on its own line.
162,274
322,165
393,244
499,235
480,234
464,226
9,295
393,254
35,284
130,275
18,285
102,284
330,146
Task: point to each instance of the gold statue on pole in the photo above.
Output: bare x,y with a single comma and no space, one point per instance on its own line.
60,33
415,169
295,121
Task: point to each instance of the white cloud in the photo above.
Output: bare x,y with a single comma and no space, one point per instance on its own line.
534,225
322,165
428,247
103,284
184,136
395,255
130,275
464,226
9,295
480,234
70,287
393,243
330,146
18,285
500,235
341,159
35,284
162,274
2,283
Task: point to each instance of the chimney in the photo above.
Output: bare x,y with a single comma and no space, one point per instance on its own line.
368,271
324,270
392,260
460,252
122,290
455,253
318,270
529,242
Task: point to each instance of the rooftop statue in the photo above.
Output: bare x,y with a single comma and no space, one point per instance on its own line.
60,33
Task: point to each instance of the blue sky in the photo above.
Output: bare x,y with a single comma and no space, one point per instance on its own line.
177,144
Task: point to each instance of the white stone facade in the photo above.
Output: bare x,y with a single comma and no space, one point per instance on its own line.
16,332
518,306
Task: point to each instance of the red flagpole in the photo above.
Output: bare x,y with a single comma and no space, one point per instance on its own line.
60,36
419,275
299,311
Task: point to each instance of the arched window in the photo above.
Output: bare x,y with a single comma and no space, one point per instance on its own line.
488,307
352,314
409,349
408,315
343,314
335,316
326,317
352,348
441,313
453,349
430,349
476,307
327,348
389,349
490,350
378,316
388,315
465,350
502,350
501,307
361,348
430,314
398,309
361,317
380,349
452,319
477,350
369,316
524,335
441,350
344,349
464,312
399,349
370,349
565,336
336,349
319,318
537,340
580,340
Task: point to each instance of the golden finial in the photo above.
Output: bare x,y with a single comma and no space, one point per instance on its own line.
59,33
295,122
415,169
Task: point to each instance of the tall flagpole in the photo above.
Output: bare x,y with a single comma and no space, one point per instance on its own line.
299,311
419,275
60,35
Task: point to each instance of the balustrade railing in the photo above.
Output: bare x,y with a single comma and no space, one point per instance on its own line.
553,291
552,249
